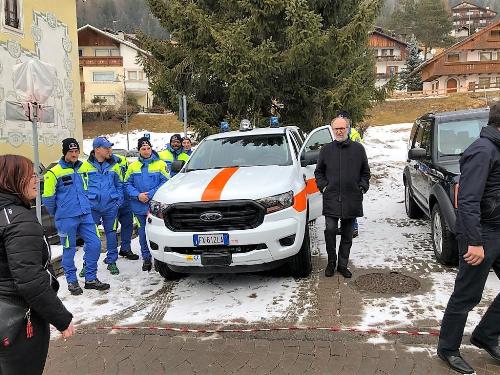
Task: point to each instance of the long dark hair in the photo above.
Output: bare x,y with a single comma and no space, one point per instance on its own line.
15,175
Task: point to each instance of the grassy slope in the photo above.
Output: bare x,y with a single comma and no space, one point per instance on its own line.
399,111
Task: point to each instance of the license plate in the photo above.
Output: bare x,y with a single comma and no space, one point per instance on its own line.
211,239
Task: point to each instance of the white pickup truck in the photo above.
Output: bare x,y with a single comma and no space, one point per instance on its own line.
242,203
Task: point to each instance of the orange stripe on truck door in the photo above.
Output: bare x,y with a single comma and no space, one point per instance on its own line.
300,201
311,186
214,188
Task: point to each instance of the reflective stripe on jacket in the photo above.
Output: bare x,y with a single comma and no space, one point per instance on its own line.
169,156
64,191
145,175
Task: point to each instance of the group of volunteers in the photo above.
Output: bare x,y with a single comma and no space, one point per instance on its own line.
105,189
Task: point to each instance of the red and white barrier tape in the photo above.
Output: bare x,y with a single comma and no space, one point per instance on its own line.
371,331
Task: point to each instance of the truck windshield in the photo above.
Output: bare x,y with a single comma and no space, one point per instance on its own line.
243,151
454,137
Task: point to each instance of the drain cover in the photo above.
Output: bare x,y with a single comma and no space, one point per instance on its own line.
392,282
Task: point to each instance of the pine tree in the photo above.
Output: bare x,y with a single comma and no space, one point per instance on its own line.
232,58
407,80
434,24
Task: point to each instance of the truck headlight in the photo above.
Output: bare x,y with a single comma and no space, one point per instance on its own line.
157,209
277,202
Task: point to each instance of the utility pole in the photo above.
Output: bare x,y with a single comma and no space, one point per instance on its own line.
184,115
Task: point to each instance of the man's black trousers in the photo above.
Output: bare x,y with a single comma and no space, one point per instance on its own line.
469,286
345,240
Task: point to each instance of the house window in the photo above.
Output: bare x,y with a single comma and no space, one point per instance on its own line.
141,75
387,52
100,52
484,82
392,71
103,76
485,56
453,57
497,82
495,34
80,52
132,75
12,14
109,99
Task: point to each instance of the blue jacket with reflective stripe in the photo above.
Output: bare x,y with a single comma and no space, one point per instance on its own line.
64,192
145,175
104,183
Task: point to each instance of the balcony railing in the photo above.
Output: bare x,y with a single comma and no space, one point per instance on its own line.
389,58
441,68
137,86
101,61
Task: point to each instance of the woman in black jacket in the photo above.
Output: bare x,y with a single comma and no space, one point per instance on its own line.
26,276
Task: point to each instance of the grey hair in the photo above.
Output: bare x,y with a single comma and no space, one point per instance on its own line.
348,120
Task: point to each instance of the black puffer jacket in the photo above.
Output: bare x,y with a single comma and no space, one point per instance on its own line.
343,176
479,191
24,255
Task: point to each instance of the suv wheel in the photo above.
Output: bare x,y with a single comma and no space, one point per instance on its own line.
412,209
443,240
166,272
301,263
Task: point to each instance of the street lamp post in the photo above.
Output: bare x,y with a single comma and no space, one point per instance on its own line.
126,104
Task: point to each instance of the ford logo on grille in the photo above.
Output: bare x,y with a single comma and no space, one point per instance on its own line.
211,216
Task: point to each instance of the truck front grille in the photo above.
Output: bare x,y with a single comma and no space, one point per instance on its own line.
231,215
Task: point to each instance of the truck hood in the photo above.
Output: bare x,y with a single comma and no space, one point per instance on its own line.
227,184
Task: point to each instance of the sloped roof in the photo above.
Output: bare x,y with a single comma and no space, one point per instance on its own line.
458,44
473,5
114,37
381,33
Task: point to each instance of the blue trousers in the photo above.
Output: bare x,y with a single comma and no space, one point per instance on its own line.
126,219
68,228
110,223
146,255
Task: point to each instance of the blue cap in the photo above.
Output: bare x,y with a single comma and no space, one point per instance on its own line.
101,142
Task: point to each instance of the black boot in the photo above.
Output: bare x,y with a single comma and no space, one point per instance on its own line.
147,265
74,288
330,270
456,362
492,350
129,254
96,284
344,272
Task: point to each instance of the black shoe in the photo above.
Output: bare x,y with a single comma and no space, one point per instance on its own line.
456,362
96,284
345,272
147,265
330,270
355,233
129,255
493,351
74,288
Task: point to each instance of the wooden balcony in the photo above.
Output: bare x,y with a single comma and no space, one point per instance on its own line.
389,58
443,68
101,61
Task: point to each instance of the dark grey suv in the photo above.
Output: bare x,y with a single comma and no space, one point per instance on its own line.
431,176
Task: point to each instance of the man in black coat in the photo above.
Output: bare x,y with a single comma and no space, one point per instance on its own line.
478,234
343,176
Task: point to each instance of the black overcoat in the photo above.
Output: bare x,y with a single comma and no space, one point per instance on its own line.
343,176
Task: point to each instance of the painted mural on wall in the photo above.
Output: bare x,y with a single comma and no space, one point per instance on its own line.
52,45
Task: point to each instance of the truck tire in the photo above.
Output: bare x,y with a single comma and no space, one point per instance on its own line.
443,240
301,263
166,272
412,209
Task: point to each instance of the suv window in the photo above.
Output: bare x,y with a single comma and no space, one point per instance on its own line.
423,136
318,140
455,136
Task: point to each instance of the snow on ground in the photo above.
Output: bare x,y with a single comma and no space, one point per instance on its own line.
388,241
158,140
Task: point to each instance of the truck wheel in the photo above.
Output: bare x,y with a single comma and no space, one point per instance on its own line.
412,209
166,272
301,263
443,240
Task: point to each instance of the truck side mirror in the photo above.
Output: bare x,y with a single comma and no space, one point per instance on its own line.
177,166
417,154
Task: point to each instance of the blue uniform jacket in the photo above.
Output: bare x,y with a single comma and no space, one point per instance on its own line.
145,175
64,193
